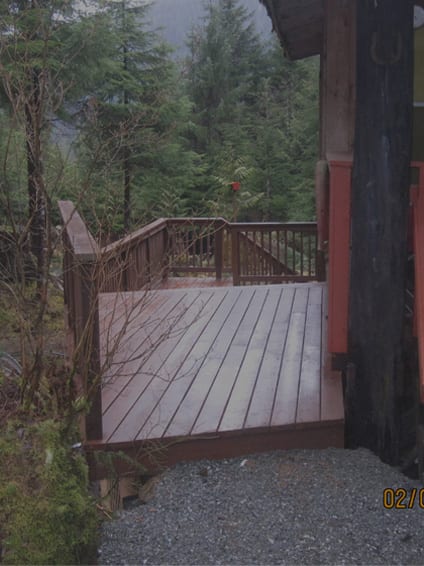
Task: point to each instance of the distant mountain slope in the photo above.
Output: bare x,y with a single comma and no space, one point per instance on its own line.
177,17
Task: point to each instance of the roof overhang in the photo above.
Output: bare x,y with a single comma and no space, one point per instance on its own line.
299,25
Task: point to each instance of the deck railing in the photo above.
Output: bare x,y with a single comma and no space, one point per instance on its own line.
137,260
81,287
199,245
267,252
272,252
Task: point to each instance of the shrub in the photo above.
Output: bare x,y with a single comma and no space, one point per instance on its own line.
46,514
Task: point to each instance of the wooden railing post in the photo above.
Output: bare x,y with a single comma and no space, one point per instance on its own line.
81,288
167,245
89,358
235,254
219,248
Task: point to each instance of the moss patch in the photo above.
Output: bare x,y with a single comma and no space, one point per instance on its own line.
46,514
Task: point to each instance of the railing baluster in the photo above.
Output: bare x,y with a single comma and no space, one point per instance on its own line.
301,253
309,255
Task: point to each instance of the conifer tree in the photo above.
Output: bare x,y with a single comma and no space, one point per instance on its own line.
133,106
44,46
255,116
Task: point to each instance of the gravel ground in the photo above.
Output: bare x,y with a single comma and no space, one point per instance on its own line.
294,507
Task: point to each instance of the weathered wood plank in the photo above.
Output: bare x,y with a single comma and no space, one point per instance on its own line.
165,363
143,325
208,348
211,412
284,411
240,397
125,414
260,410
309,401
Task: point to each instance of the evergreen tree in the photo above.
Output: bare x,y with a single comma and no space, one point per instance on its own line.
223,73
43,44
286,129
255,116
132,112
223,70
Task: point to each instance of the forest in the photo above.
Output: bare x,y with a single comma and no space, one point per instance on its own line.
95,108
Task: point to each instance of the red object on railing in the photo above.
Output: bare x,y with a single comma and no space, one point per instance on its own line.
235,186
339,255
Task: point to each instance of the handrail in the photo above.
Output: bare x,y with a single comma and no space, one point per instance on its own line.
140,234
136,260
265,226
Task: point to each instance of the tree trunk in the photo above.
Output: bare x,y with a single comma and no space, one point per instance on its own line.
35,180
127,153
127,191
380,197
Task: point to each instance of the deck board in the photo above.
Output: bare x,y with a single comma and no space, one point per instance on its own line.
218,361
211,412
138,340
309,401
332,408
285,404
238,404
188,411
128,411
203,344
262,401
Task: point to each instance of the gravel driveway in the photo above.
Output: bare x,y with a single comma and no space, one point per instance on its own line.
292,507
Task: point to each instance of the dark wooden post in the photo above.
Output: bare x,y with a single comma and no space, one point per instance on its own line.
167,245
81,293
380,186
235,254
219,243
89,359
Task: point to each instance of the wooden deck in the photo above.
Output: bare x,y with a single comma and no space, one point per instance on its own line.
218,371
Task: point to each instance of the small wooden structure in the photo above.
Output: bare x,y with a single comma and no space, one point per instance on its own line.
183,373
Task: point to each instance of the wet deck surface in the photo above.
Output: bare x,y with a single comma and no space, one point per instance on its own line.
208,362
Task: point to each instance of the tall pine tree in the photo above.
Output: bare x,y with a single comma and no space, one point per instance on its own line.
131,108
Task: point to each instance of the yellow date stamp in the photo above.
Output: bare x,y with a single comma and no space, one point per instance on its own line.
402,498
